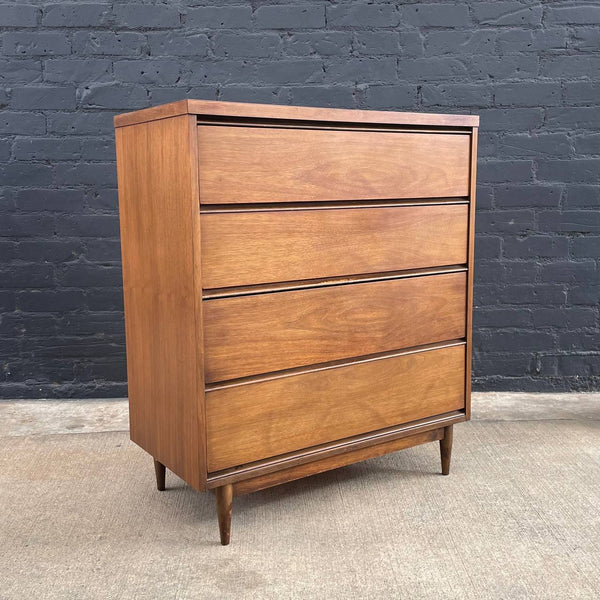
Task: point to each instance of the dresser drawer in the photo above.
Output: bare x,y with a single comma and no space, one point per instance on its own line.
250,335
264,164
250,422
262,247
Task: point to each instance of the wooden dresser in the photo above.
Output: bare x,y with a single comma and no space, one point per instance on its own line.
298,287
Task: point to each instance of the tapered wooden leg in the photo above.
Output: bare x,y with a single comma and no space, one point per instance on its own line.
224,500
159,468
446,449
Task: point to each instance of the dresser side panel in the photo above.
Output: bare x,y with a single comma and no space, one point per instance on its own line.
471,273
158,204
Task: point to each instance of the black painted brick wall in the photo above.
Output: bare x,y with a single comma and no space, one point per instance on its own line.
531,69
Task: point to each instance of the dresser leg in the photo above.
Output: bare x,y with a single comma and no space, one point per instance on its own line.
446,449
159,468
224,499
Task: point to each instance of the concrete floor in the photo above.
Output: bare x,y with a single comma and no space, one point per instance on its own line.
518,517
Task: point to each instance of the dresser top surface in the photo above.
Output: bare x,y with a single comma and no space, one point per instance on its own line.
211,108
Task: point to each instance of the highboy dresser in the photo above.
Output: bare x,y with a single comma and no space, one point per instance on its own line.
298,287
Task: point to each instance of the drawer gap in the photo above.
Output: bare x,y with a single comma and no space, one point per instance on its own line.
330,204
285,286
334,364
217,121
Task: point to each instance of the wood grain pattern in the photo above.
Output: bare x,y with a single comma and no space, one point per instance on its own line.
263,247
250,164
158,195
268,332
252,422
333,462
210,108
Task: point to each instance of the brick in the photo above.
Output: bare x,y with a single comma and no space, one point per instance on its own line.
460,42
586,247
485,196
411,44
362,15
146,16
574,221
104,199
573,170
104,299
22,123
588,143
502,318
536,246
565,318
333,96
223,72
175,43
528,94
20,71
62,200
123,43
20,226
568,272
76,15
103,250
577,341
583,195
40,43
81,123
587,117
434,69
46,97
80,173
46,149
290,71
507,13
532,40
219,17
28,276
18,15
509,196
68,70
374,43
114,95
517,341
511,119
535,145
436,15
456,94
247,45
579,364
498,171
488,247
15,173
52,251
570,67
157,71
318,43
100,226
362,70
573,15
391,96
304,16
88,275
587,295
510,221
515,66
98,149
586,38
264,94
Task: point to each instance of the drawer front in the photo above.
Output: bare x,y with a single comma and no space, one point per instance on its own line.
251,335
261,164
255,421
263,247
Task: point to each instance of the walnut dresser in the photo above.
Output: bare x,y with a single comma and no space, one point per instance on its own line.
298,287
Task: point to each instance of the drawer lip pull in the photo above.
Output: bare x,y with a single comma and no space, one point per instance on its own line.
290,286
334,364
